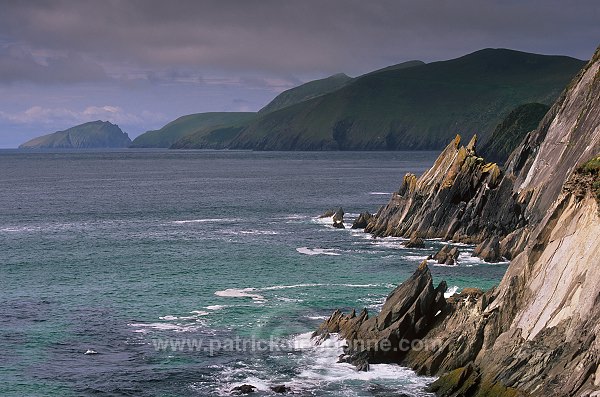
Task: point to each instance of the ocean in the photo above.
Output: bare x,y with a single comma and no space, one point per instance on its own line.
188,273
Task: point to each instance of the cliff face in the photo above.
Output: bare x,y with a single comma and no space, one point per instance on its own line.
95,134
463,198
538,332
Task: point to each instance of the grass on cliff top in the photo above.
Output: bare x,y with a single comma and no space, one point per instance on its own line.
592,167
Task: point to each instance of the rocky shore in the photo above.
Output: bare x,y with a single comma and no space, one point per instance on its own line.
537,333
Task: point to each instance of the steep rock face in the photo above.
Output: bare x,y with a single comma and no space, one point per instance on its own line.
538,332
460,198
407,314
463,198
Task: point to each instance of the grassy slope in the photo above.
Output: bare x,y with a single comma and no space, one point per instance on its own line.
221,136
186,125
511,131
416,108
306,91
95,134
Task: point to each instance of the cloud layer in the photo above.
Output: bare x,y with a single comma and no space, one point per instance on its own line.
65,61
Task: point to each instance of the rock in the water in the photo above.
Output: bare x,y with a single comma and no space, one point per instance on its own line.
338,219
407,314
446,255
327,214
415,242
281,389
243,389
362,221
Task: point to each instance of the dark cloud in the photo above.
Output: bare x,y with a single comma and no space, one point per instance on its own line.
18,64
145,62
298,36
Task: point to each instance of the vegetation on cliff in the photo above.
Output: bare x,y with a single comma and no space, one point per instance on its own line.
406,106
95,134
511,131
199,125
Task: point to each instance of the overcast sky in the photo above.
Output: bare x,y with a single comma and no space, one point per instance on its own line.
141,64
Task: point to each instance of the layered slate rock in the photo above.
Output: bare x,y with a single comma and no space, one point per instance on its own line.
362,221
460,198
408,312
538,332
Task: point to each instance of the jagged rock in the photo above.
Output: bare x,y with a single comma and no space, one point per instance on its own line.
415,242
407,314
243,389
362,221
446,255
537,333
489,250
280,389
338,219
327,214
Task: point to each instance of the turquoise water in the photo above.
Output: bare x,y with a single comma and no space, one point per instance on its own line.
127,252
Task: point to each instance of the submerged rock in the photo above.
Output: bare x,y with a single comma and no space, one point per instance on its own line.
243,389
280,389
327,214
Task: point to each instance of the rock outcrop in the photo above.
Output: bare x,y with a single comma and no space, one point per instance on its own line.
407,314
446,255
95,134
538,332
338,219
362,221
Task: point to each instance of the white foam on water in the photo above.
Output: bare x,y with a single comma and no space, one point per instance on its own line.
317,251
451,291
380,194
144,327
322,367
241,293
206,220
317,317
216,307
197,313
168,318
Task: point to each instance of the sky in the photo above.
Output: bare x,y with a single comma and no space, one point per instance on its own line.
143,63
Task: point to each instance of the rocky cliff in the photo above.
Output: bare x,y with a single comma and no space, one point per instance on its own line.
538,332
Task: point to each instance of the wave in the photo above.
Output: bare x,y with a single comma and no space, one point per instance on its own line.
241,293
323,366
145,327
206,220
317,251
380,194
451,291
215,307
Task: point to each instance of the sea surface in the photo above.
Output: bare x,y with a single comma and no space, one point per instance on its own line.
188,273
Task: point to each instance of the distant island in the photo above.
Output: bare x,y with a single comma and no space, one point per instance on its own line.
95,134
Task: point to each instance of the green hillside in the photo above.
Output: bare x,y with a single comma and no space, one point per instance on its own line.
95,134
421,107
512,130
306,91
187,125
